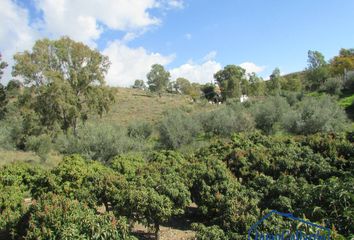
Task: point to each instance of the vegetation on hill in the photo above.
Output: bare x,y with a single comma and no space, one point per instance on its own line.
99,160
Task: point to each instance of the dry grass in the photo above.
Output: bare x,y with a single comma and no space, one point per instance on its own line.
11,156
137,105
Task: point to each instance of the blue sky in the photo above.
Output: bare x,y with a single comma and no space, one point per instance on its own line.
192,39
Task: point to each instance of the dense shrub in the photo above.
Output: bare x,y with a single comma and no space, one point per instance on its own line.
315,115
227,120
309,176
20,175
12,208
101,142
41,145
206,233
177,128
57,217
86,181
140,130
333,85
270,113
220,198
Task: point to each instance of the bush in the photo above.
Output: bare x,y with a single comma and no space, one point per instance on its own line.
207,233
57,217
41,145
140,130
333,85
177,129
127,164
315,115
270,113
12,208
76,178
101,142
5,136
227,120
220,198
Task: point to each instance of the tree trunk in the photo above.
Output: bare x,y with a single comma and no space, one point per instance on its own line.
157,231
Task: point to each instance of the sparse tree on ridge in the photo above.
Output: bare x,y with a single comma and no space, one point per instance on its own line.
139,84
229,80
158,79
317,70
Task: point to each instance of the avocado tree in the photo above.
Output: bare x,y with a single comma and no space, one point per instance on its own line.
157,192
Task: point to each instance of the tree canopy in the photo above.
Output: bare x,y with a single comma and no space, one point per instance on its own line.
65,80
158,78
229,80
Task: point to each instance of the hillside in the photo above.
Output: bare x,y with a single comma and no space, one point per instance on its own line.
137,105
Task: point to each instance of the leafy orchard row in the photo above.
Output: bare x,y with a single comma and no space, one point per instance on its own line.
232,184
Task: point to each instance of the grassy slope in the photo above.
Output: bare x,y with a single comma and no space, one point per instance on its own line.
137,105
10,156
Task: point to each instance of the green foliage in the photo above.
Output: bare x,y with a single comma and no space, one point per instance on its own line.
274,83
139,84
308,176
41,145
13,88
347,101
220,197
158,78
333,85
227,120
3,65
57,217
177,129
127,164
20,175
270,112
210,92
257,85
66,81
183,86
101,142
205,233
343,62
85,181
230,81
317,71
292,84
16,180
140,130
156,191
315,115
12,208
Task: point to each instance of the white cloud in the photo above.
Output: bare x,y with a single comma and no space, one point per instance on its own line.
175,3
210,56
85,21
15,33
82,20
201,73
250,67
129,64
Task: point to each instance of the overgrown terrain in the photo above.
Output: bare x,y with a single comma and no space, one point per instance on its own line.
174,159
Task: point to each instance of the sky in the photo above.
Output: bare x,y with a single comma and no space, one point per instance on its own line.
191,38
